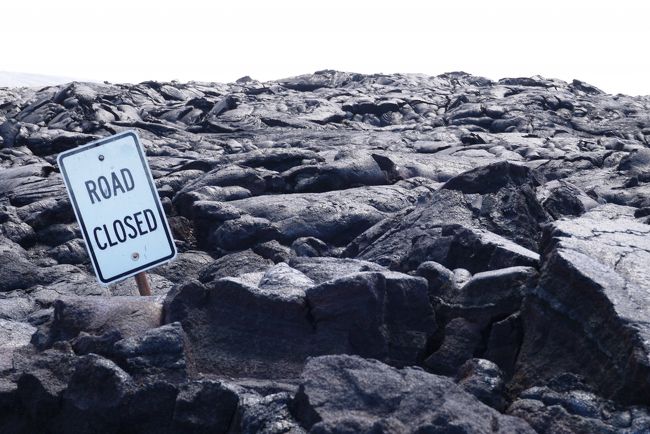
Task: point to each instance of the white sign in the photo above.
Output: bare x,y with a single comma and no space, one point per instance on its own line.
117,206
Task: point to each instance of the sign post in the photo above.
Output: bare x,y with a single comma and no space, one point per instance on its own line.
117,206
143,283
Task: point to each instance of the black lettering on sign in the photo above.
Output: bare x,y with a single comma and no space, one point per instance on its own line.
139,222
120,233
92,187
101,246
118,184
104,188
128,179
122,229
133,233
108,237
151,224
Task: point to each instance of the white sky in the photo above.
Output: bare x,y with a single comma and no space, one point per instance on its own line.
603,43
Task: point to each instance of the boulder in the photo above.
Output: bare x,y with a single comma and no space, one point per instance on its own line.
334,217
16,305
588,313
13,228
472,231
269,329
382,315
241,330
128,315
128,287
566,404
475,250
473,316
244,232
52,141
636,163
58,233
490,295
348,170
207,215
273,250
560,198
233,265
94,397
281,277
185,265
268,414
440,278
341,393
41,378
157,352
17,271
322,269
205,406
460,342
226,176
309,246
150,408
504,343
70,252
484,380
492,178
13,335
103,344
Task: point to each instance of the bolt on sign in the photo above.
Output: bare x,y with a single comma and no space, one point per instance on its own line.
117,206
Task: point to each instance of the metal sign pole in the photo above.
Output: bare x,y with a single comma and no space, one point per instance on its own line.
143,283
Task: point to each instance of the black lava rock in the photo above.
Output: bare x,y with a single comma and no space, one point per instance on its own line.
357,253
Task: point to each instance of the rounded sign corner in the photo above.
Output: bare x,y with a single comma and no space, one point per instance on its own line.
101,280
60,157
102,283
173,255
132,134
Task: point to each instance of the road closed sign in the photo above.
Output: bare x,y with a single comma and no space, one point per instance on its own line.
117,206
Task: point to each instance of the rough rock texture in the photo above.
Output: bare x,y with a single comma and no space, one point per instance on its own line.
604,263
346,393
357,253
566,404
286,317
